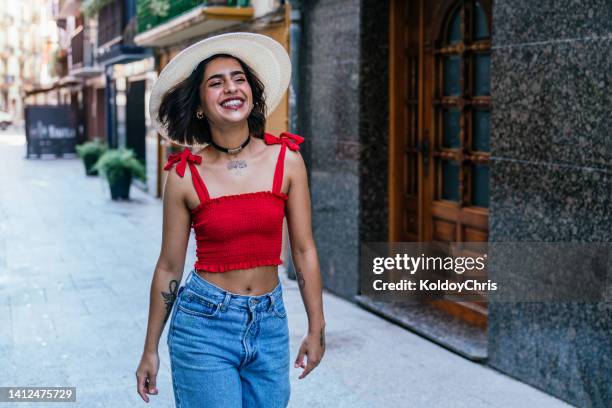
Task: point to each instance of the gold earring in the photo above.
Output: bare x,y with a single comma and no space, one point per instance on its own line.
200,114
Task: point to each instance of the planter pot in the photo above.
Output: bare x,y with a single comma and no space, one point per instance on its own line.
89,161
120,189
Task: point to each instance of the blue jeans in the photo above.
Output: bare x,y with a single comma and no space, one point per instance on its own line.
228,350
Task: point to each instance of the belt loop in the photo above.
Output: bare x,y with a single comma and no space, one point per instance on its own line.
189,277
225,301
271,306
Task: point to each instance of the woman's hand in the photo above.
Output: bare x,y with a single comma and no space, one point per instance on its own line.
313,346
146,375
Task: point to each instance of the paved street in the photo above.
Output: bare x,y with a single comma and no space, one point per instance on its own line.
75,270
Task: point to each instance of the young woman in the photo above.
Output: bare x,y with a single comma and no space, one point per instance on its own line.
228,335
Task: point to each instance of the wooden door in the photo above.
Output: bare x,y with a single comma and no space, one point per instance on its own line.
440,125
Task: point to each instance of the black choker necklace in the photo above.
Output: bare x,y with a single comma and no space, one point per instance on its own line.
235,150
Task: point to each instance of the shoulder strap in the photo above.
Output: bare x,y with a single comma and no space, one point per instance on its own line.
277,184
286,139
183,159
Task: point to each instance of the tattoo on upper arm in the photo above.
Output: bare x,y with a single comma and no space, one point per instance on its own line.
300,278
170,297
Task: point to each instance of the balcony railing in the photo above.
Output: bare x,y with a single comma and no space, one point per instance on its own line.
148,20
81,61
76,49
110,22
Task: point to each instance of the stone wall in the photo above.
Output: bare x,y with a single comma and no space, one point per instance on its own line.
330,125
551,181
551,167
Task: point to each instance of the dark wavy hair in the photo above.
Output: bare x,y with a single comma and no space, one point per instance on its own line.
179,104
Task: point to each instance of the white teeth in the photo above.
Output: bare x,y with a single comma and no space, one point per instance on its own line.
234,102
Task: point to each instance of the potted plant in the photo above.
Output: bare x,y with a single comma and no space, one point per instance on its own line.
118,166
90,152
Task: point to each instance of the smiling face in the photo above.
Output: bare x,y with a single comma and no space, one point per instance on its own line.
225,93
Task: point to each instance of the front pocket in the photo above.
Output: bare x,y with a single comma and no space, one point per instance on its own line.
279,309
196,305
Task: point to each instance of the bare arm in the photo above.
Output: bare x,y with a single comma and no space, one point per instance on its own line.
306,261
166,277
169,269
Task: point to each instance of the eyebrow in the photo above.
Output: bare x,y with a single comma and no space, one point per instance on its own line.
221,75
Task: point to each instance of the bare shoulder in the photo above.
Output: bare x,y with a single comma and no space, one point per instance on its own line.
294,164
175,186
293,158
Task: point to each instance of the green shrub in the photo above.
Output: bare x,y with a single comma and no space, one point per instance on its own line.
94,148
114,162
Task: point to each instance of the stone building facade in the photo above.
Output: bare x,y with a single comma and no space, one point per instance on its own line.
548,158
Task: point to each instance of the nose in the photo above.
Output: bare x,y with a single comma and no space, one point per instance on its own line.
231,87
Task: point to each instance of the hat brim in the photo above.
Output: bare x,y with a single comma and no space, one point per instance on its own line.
267,57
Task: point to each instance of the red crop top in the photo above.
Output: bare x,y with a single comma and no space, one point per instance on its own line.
238,231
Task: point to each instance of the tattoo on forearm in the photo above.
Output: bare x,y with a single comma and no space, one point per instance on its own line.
300,278
322,338
170,297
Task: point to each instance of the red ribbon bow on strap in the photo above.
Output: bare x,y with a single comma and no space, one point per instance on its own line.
182,158
292,141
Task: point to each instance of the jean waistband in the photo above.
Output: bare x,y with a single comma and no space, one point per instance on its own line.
217,295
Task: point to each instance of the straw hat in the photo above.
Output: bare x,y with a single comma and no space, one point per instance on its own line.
264,55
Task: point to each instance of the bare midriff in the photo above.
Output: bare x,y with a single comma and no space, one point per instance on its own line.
250,282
